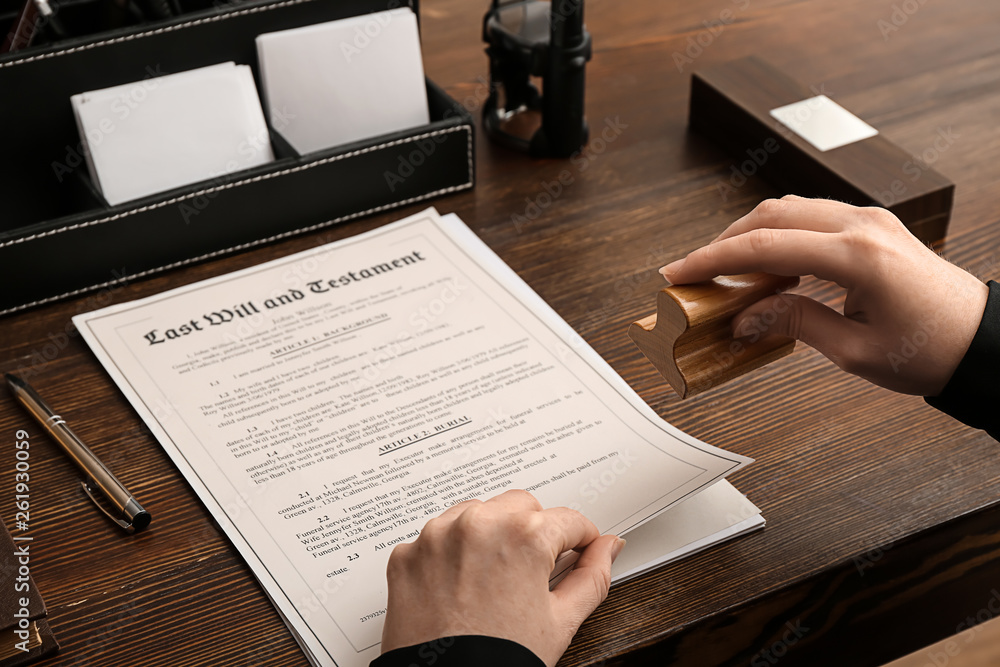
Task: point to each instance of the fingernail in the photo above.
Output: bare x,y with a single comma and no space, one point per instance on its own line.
617,549
671,268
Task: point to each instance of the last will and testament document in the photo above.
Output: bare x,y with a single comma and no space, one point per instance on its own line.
325,405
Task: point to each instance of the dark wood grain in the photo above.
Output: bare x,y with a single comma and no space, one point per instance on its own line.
846,473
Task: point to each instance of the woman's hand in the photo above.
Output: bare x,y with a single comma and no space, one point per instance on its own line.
482,568
909,316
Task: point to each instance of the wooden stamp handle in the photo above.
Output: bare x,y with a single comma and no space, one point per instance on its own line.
689,338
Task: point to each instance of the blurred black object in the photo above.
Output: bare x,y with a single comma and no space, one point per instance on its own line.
36,20
22,30
542,39
43,22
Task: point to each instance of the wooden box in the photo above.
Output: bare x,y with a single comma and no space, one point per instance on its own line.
731,104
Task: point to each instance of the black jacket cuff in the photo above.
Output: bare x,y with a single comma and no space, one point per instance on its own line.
971,394
462,651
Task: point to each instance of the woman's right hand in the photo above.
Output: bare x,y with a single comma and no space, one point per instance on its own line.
909,316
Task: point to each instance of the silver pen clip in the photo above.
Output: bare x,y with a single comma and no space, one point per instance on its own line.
129,528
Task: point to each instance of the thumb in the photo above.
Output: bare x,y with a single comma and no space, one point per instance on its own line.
579,593
815,324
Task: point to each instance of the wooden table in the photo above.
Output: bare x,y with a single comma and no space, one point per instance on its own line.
883,525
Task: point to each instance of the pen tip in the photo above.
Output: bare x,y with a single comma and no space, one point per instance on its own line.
13,380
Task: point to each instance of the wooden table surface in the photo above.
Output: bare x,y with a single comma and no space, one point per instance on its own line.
883,528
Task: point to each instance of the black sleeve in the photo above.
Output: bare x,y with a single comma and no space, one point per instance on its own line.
463,651
972,395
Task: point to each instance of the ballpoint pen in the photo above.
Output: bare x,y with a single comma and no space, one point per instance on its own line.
128,513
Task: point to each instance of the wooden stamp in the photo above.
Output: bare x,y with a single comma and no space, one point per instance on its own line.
689,338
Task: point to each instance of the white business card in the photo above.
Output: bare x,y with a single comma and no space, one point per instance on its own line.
823,123
161,133
333,83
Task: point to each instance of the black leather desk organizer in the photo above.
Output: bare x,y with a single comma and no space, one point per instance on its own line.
58,238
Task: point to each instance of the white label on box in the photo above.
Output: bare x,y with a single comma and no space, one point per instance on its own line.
823,123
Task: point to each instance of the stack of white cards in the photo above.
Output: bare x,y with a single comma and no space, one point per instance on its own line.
161,133
334,83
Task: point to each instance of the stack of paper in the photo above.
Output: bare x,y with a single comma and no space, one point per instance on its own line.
161,133
715,515
326,405
333,83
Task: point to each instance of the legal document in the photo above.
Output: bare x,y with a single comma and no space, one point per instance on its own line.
325,405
